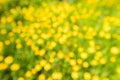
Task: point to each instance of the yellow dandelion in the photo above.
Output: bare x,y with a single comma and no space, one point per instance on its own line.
41,77
47,67
14,67
114,50
85,64
38,67
57,75
18,46
72,62
91,50
87,76
118,70
8,60
43,62
3,66
84,55
94,63
7,42
95,78
1,57
20,78
28,74
112,59
75,75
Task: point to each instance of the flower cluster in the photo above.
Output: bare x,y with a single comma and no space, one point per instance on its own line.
59,40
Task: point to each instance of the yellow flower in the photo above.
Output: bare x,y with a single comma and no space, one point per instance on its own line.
114,50
41,77
40,41
79,61
95,78
106,27
3,31
57,75
43,62
72,62
71,54
60,55
14,67
99,54
35,37
18,46
118,70
75,75
53,54
92,43
112,59
85,64
28,74
84,55
1,46
8,59
9,19
49,78
94,63
38,67
1,57
42,52
3,19
103,61
76,68
80,49
47,67
53,44
101,33
20,78
107,35
91,50
51,60
7,42
3,66
34,71
87,76
105,79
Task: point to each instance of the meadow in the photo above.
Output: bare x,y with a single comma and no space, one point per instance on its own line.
59,40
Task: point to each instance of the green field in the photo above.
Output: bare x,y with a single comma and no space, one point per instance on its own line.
59,40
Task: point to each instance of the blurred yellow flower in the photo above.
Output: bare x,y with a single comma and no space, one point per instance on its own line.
103,61
95,78
72,62
91,49
8,60
57,75
75,75
41,77
14,67
28,74
38,67
87,76
85,64
3,66
114,50
43,62
1,57
20,78
3,31
118,70
18,46
112,59
84,55
7,42
47,67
